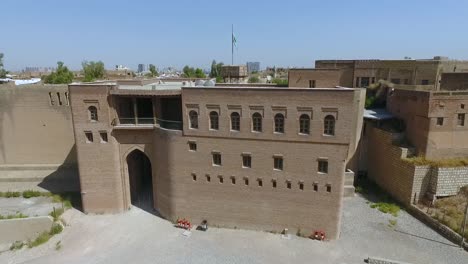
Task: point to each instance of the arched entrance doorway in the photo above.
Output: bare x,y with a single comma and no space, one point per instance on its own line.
141,180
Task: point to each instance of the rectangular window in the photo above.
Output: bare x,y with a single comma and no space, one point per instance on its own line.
323,166
221,180
246,181
301,186
89,136
208,178
328,188
278,163
288,184
192,146
194,177
246,161
424,82
461,119
103,137
462,106
59,99
51,99
315,187
260,182
273,183
233,180
217,159
311,83
440,121
365,81
373,80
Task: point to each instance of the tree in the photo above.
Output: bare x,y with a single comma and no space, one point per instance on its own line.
60,75
199,73
189,72
3,72
153,71
216,69
254,79
93,70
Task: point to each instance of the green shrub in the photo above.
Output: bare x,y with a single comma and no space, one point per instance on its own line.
17,245
56,229
254,79
41,239
387,208
13,216
11,194
56,213
31,193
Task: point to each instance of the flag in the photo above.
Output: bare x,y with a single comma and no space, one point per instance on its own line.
234,40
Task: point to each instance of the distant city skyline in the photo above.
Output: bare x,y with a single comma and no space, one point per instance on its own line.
166,34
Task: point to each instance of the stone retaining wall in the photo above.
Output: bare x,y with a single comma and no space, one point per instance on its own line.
447,181
436,226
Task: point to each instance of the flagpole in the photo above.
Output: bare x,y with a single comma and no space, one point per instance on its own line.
232,45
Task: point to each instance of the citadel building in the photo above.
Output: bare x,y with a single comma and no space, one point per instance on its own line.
264,158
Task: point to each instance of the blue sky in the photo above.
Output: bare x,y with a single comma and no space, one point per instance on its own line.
180,32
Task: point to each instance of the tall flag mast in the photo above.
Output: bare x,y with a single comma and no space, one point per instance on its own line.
233,43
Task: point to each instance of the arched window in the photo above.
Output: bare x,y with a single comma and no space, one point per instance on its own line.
214,120
304,124
235,121
279,123
329,125
193,116
257,122
93,116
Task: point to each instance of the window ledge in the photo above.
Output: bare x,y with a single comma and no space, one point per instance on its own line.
322,173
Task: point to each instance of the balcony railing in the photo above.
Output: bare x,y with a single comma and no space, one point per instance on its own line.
145,122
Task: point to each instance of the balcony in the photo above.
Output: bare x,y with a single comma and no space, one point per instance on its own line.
145,123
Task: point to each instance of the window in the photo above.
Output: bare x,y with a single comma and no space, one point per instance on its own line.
365,81
311,83
235,121
93,116
192,146
301,186
278,163
51,99
406,81
221,180
89,136
358,81
373,80
193,116
279,123
329,125
257,122
304,124
461,119
217,159
424,82
462,106
246,181
328,188
288,184
260,182
103,135
59,99
246,161
194,177
208,178
315,187
233,180
440,121
214,120
273,183
323,166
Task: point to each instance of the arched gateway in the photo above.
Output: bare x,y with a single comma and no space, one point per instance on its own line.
141,180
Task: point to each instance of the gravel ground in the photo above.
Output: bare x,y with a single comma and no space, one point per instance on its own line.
35,206
139,237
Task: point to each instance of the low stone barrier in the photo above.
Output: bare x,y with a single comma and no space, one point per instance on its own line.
373,260
22,229
436,226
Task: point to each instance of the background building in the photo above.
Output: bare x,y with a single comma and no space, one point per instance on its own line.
253,67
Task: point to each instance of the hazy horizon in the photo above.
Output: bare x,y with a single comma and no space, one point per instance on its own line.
291,34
